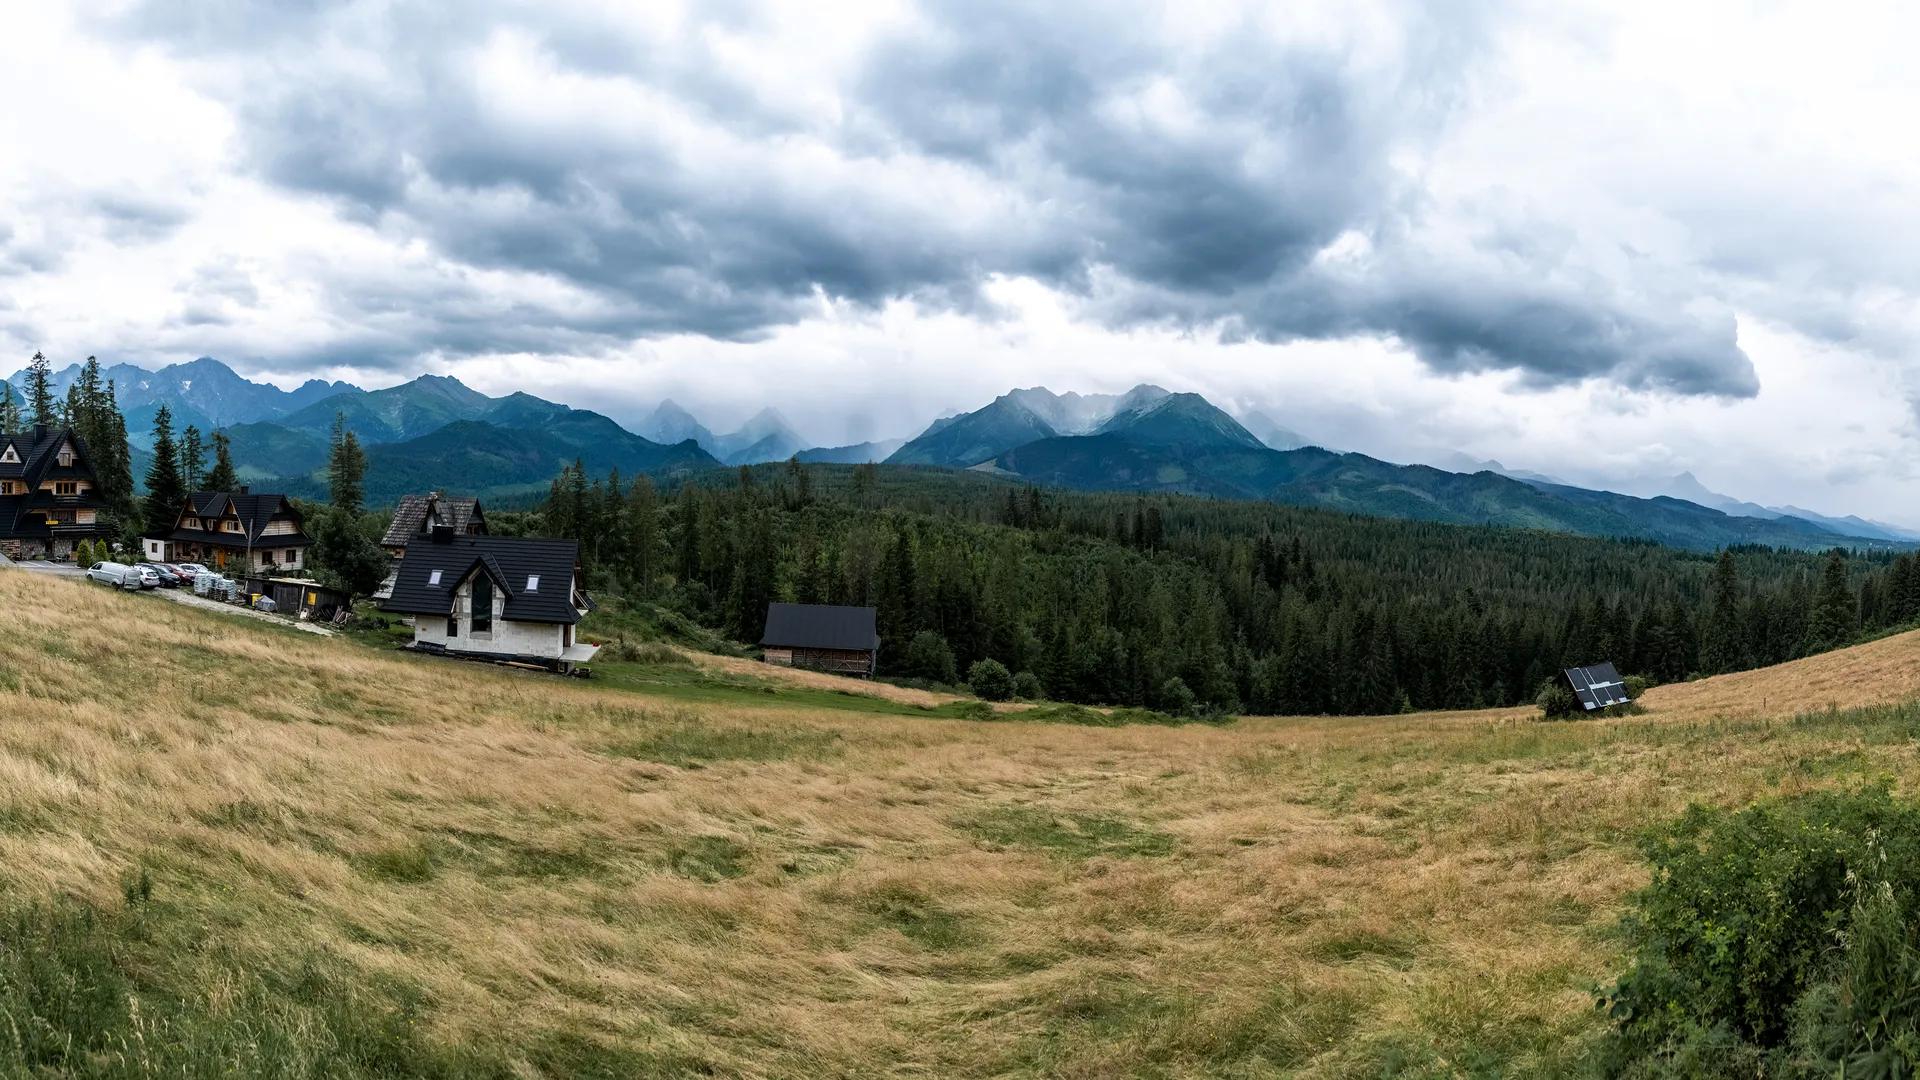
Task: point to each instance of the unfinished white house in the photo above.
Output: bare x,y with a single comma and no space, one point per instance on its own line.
505,598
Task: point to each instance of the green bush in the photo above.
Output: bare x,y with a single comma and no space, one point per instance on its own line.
990,679
930,657
1635,686
1027,687
1778,940
1556,701
1176,698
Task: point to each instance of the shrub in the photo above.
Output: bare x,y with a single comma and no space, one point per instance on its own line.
1635,686
1555,700
930,657
991,680
1177,698
1775,940
1026,685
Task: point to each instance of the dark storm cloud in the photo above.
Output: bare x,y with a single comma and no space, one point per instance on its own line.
1168,178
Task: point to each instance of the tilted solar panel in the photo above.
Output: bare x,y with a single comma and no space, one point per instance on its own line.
1597,686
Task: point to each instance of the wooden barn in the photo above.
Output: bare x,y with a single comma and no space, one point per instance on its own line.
822,637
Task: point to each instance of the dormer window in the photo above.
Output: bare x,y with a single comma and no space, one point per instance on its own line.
9,455
533,582
66,456
433,578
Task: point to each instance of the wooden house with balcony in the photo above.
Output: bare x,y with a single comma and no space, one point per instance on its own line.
235,531
49,497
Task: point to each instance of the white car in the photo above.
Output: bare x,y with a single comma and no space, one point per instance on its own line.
193,568
116,574
148,576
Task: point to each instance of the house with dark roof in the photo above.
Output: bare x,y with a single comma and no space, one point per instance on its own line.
49,497
418,515
237,530
823,637
508,598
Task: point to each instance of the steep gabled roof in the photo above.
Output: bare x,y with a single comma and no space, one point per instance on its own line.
411,516
38,451
512,561
820,626
255,512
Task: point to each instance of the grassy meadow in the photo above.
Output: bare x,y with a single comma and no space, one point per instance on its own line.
229,848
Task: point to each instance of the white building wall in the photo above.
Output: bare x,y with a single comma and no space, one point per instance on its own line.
507,638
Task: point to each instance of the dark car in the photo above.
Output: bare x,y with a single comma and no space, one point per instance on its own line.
169,577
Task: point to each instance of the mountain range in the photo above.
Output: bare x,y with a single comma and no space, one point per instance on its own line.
435,432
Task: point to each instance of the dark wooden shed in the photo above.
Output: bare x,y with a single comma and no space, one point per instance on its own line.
822,637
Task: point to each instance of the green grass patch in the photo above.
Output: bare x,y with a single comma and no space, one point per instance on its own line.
708,858
918,918
693,746
1068,834
1352,946
402,864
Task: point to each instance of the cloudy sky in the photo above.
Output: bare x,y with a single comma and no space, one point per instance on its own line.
1604,242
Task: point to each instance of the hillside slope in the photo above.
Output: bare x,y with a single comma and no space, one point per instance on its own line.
378,864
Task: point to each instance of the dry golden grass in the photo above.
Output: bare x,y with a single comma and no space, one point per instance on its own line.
758,892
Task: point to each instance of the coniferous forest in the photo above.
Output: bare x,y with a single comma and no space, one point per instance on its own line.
1182,603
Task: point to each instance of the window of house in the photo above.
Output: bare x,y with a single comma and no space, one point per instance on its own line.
66,487
66,457
433,578
9,456
533,582
482,604
453,625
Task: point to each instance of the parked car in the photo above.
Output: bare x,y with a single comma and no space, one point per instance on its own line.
163,574
149,577
192,569
119,575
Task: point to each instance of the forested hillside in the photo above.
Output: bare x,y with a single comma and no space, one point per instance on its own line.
1168,600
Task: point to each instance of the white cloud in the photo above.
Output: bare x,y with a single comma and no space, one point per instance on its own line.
1534,232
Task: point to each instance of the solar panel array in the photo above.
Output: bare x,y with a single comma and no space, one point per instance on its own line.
1597,686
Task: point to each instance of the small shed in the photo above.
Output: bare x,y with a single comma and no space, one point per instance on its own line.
822,637
299,597
1596,686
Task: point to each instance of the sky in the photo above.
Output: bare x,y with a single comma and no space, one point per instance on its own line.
1604,241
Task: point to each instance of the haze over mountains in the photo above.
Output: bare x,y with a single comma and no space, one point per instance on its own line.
437,432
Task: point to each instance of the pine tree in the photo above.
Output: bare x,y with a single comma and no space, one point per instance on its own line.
43,407
9,409
112,462
193,459
1833,619
346,469
222,478
165,492
643,541
1722,636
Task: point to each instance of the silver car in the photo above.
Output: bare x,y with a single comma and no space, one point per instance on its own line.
116,574
149,577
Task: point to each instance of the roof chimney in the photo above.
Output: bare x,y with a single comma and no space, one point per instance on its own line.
243,489
40,432
443,534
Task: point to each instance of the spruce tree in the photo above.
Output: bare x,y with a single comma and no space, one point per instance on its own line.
9,409
346,469
193,459
1833,620
222,478
165,492
1722,635
42,405
113,462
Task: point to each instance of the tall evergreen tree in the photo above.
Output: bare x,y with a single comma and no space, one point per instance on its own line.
165,492
346,469
222,477
9,409
193,458
1833,620
43,407
1722,633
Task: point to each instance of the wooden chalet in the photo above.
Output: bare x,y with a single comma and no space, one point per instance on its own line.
49,497
822,637
418,515
240,530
